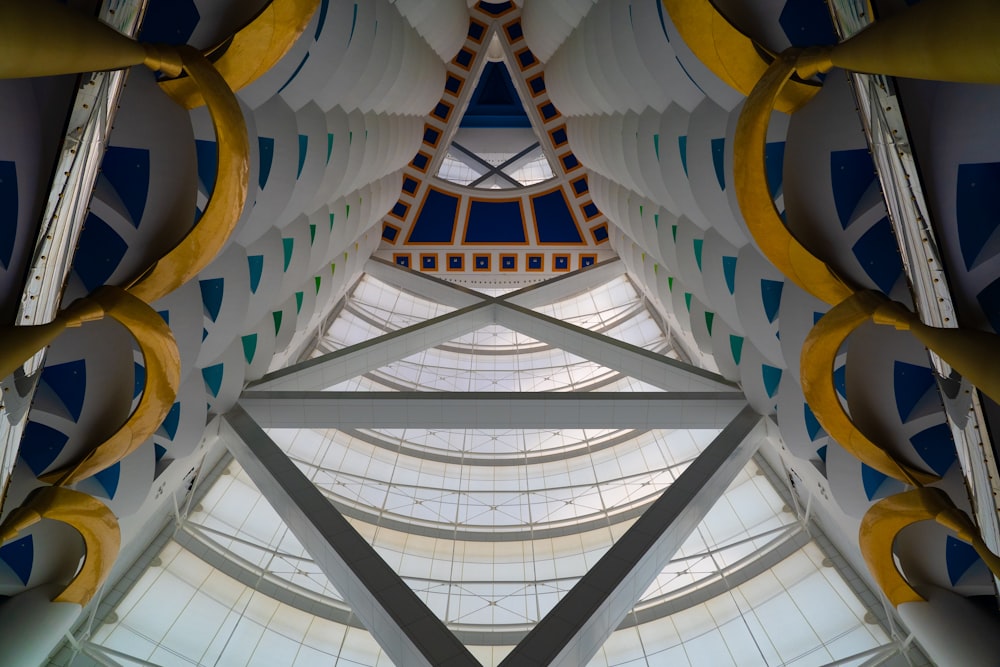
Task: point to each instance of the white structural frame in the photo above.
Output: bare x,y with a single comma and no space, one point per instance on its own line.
399,621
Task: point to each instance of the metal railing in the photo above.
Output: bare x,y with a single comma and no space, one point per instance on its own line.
77,165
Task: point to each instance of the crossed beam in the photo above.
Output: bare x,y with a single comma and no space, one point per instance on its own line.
575,629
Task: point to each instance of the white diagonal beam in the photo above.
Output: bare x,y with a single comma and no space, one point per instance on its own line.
350,362
576,628
566,286
400,622
423,285
492,410
631,360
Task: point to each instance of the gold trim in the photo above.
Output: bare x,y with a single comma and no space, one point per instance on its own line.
251,51
163,372
728,53
95,522
818,354
223,211
775,241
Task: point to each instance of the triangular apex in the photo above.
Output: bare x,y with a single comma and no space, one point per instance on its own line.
495,102
497,143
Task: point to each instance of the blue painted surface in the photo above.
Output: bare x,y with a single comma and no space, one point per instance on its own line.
977,192
807,23
127,169
19,554
169,22
682,146
68,382
99,252
526,58
159,451
8,211
495,102
772,378
420,161
476,31
989,301
698,244
138,379
840,380
719,160
959,556
495,8
553,219
390,233
296,72
878,255
813,427
256,268
910,382
770,297
852,172
774,166
303,149
729,272
871,479
213,378
495,222
172,421
936,447
208,163
40,446
590,209
323,8
109,478
821,453
212,291
436,221
601,233
266,148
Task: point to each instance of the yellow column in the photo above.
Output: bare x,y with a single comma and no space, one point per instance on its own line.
974,354
45,38
942,40
17,344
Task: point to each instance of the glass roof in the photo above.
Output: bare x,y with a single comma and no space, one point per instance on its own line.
490,528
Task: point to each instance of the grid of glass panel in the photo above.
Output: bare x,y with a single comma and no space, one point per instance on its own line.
491,528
